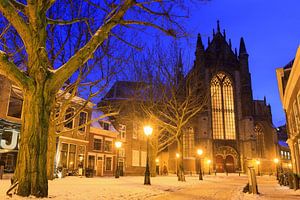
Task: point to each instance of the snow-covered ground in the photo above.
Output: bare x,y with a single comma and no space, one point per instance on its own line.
162,188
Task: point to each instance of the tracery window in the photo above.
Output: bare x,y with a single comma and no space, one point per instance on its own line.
188,143
222,102
259,141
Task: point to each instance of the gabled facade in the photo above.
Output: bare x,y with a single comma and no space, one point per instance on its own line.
288,78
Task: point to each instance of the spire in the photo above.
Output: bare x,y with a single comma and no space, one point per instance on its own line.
265,100
218,26
199,43
208,41
230,43
179,69
214,32
242,47
224,34
235,52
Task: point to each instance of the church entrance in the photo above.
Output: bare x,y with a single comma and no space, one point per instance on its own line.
229,163
219,164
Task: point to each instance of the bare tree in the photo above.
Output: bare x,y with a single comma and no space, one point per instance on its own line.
40,76
174,101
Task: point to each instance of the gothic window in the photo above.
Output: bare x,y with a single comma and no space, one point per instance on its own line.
259,141
222,102
188,143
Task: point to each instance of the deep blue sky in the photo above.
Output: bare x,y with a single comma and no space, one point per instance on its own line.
271,29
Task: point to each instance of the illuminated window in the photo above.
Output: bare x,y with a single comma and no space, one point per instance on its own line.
188,143
222,102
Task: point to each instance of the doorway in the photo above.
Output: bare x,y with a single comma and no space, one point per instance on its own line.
229,163
219,164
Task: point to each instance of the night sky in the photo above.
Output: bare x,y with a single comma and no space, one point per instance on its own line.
271,29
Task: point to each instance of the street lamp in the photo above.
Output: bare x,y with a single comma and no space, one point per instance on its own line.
276,161
208,162
177,156
118,145
200,152
148,131
258,163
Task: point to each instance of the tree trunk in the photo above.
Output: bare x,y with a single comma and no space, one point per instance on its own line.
32,157
180,174
51,151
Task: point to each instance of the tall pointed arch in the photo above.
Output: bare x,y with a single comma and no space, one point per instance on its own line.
222,104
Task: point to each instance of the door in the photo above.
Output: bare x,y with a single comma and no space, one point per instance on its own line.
229,162
99,167
219,164
121,168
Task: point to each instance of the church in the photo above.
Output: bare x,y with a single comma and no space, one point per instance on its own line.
236,131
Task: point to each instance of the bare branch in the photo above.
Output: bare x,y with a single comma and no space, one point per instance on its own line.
86,52
11,71
169,32
66,22
11,14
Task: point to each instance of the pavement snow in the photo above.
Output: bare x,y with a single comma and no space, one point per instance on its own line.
162,188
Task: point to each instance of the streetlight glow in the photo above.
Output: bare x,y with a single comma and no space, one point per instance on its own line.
177,155
157,160
257,162
199,152
208,161
118,144
276,160
148,130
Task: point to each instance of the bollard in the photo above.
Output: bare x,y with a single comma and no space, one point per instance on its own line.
296,181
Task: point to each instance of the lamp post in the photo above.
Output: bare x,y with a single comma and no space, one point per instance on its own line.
258,163
177,156
208,162
200,152
157,166
276,161
148,131
118,145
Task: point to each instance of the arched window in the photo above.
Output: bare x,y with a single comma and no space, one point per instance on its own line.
259,134
222,103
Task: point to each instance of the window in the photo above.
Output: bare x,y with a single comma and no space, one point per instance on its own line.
108,145
72,152
143,158
69,117
259,140
122,130
188,143
222,103
108,163
82,120
15,103
104,125
135,130
135,158
64,155
97,144
297,120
